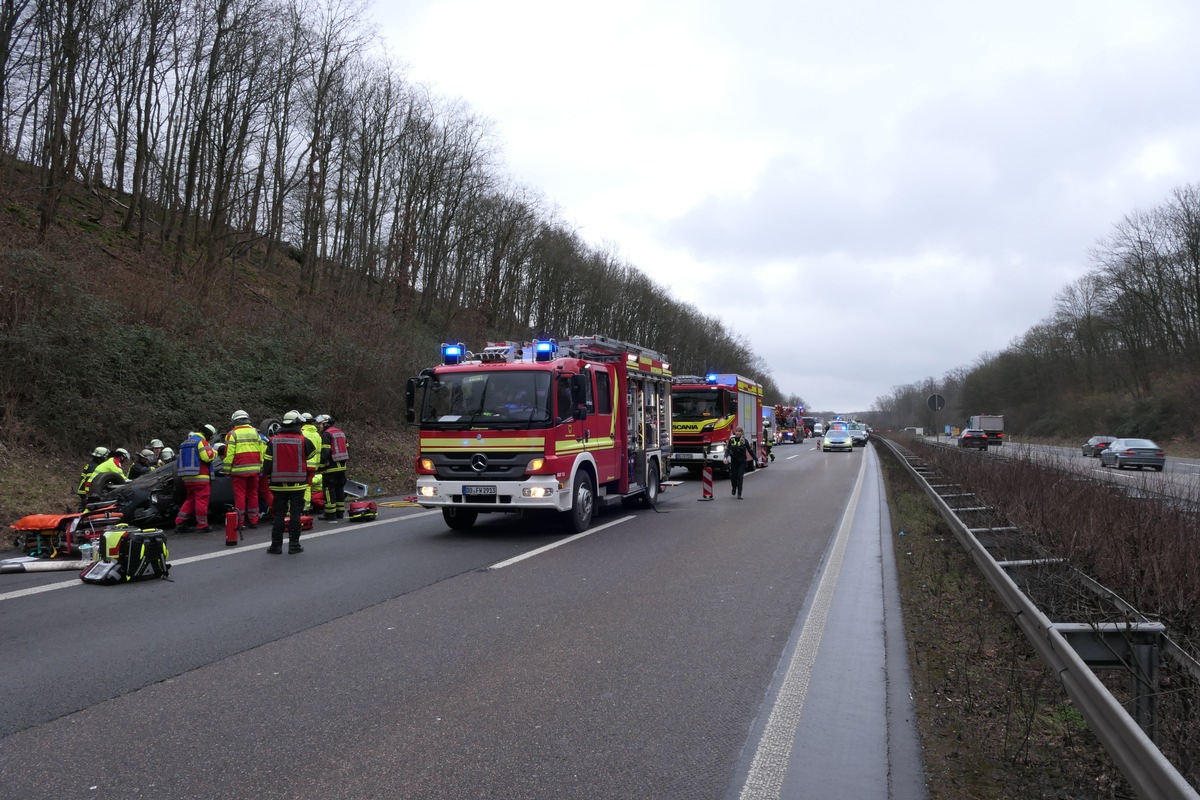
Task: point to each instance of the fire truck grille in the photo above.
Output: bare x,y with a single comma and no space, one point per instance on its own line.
490,466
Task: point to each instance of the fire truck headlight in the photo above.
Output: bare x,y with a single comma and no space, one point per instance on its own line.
537,491
427,491
717,451
426,465
535,465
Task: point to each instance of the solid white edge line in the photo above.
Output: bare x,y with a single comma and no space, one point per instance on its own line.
569,539
308,535
765,779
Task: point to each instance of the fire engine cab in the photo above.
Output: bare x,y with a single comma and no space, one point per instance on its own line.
556,425
706,411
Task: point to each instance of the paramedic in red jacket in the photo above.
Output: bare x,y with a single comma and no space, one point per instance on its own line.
193,465
243,464
286,462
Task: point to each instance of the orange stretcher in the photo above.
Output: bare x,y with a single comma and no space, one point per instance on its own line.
60,535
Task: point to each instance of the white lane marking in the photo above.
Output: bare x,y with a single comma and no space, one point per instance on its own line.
307,536
568,540
769,767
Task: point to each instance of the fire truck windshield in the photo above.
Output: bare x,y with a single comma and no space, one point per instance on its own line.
487,398
696,404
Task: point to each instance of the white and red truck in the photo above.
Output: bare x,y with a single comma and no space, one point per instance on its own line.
706,410
557,425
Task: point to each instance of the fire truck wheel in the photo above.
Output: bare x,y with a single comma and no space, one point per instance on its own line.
583,499
459,519
650,496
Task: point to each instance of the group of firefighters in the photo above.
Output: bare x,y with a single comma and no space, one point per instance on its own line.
267,472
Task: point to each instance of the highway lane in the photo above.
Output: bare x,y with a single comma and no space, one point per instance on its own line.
389,660
1180,479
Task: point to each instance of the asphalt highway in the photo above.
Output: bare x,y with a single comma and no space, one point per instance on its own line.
704,649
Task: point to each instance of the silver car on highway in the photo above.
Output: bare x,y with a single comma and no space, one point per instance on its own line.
1133,453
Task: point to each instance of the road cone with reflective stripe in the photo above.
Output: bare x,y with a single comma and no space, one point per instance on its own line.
706,482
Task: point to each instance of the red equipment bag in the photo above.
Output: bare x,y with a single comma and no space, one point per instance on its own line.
306,522
360,510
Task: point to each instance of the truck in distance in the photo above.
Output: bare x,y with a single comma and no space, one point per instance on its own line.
992,425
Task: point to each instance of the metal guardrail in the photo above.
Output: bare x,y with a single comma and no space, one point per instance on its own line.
1141,762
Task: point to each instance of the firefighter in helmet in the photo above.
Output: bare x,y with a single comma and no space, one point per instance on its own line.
286,463
335,457
243,463
309,429
194,468
98,457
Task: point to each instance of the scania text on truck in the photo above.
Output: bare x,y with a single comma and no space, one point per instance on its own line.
564,426
705,412
992,425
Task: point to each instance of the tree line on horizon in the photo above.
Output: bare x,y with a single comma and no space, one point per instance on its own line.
1120,354
224,132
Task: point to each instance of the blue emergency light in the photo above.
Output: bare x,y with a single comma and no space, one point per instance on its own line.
711,377
544,350
453,353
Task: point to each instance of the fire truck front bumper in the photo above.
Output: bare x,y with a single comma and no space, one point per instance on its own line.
535,492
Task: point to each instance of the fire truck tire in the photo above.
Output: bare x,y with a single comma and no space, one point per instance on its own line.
650,496
459,519
583,502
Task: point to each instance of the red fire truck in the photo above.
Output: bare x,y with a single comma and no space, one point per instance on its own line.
787,424
558,425
706,409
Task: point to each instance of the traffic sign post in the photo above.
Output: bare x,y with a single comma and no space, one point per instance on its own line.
936,403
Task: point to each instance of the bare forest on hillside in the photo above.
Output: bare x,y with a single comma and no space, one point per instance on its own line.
222,138
1120,355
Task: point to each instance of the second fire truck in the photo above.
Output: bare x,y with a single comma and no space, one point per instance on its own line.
563,426
706,410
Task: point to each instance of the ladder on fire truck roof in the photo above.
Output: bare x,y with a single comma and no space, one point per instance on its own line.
603,348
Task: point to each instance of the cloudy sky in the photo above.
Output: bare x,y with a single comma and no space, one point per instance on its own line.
871,192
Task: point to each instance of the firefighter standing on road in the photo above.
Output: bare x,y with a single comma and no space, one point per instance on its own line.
335,456
309,429
194,467
243,463
286,462
737,455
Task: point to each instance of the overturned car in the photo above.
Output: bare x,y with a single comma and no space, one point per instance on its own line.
154,499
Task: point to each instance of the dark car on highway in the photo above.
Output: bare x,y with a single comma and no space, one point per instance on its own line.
1093,446
1139,453
973,437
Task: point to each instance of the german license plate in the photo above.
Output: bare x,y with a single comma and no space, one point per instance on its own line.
479,490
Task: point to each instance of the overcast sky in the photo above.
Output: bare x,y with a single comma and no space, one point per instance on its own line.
871,193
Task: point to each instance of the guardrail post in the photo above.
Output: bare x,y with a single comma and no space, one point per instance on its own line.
1144,672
